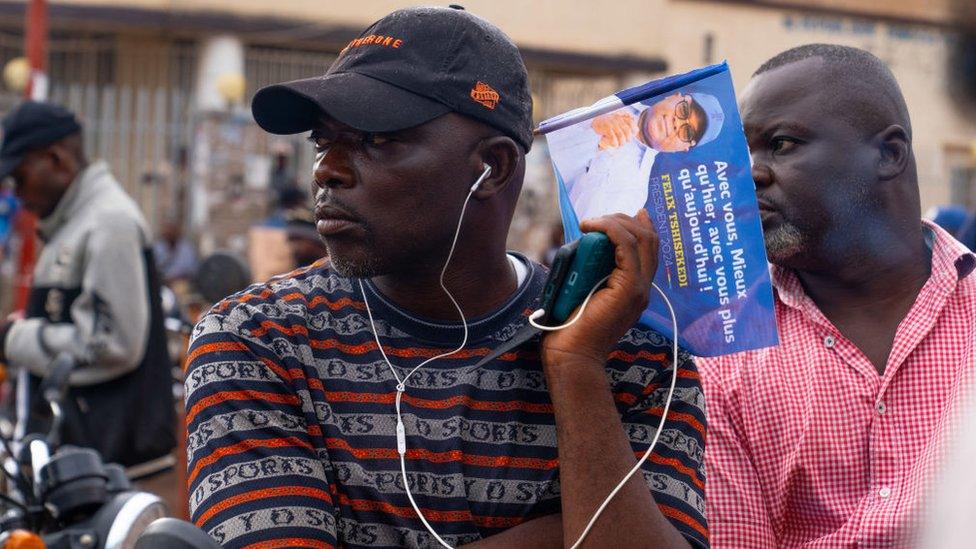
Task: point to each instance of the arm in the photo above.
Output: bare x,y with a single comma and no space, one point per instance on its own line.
675,475
255,478
539,533
109,321
594,451
615,128
737,513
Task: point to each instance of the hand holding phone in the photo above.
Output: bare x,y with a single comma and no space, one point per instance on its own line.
630,256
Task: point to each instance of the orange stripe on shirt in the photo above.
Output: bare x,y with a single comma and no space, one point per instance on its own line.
276,492
406,352
225,396
313,383
679,416
673,513
625,398
676,465
291,542
441,404
215,348
389,508
244,446
268,325
444,457
228,303
281,372
336,305
631,357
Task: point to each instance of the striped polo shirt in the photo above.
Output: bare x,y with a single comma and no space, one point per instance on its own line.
291,421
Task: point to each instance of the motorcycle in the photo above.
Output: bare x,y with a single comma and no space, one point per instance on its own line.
65,497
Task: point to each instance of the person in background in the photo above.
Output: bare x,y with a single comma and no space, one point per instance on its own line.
283,180
305,243
950,217
175,256
290,200
829,439
94,295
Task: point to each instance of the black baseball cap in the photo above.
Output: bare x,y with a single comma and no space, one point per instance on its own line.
406,69
32,125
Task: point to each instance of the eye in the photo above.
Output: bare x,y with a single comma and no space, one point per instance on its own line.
320,143
783,144
682,110
371,138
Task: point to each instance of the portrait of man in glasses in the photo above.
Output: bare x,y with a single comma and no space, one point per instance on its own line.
606,164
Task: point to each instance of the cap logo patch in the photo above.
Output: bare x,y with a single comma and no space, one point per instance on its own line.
374,40
485,94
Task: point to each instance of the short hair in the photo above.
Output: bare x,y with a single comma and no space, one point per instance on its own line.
856,78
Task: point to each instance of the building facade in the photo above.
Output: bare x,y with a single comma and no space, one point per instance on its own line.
134,69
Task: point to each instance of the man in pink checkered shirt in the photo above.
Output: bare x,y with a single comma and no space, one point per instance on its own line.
828,439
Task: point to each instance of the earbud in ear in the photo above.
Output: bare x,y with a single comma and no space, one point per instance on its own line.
484,174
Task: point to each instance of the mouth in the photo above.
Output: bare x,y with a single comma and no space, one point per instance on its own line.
331,220
766,210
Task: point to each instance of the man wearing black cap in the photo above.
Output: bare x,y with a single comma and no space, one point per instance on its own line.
341,405
94,294
303,240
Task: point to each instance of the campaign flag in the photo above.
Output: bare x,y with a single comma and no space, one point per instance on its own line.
676,147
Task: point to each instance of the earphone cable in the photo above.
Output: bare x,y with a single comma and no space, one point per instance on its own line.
402,383
660,427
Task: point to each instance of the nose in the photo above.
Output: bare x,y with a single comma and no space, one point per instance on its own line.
331,169
761,174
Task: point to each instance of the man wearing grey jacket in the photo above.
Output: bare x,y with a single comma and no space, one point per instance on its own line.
95,293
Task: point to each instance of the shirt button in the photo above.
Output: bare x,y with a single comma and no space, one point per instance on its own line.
881,408
884,492
829,342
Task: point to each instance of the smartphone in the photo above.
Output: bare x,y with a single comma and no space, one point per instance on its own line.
591,259
557,273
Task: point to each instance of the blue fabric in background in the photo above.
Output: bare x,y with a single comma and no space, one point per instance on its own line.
8,210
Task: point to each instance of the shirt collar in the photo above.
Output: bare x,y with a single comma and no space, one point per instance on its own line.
73,195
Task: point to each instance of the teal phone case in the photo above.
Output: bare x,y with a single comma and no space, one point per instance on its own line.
593,261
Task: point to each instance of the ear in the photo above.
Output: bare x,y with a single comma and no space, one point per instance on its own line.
504,156
894,152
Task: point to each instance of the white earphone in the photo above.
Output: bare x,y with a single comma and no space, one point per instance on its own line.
484,174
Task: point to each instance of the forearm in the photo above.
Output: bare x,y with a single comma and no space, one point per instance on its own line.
594,456
103,350
539,533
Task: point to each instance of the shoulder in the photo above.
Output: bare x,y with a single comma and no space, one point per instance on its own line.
113,216
288,297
